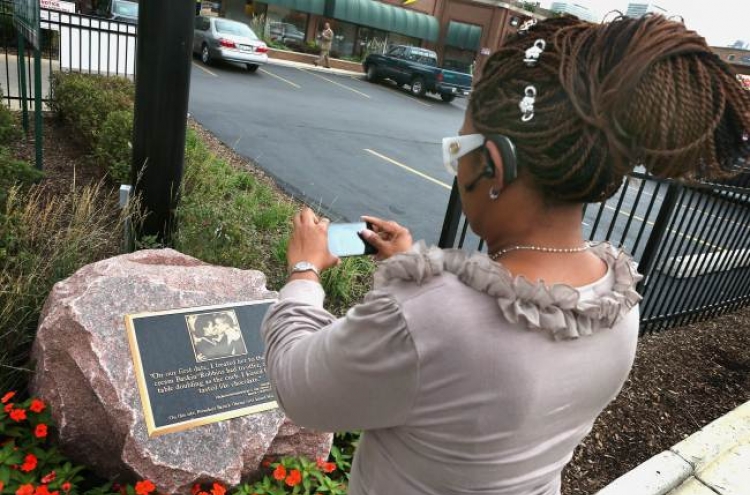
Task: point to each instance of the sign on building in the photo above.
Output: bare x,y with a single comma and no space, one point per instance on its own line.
26,20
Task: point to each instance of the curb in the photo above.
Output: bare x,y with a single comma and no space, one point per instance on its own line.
690,467
302,65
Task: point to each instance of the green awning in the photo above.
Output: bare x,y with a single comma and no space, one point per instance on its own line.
465,36
385,17
309,6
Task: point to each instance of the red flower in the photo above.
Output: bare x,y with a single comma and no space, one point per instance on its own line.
40,431
144,487
266,463
218,489
42,490
2,485
49,478
66,486
279,473
29,463
294,478
195,489
7,397
8,407
18,415
203,493
329,467
37,406
27,489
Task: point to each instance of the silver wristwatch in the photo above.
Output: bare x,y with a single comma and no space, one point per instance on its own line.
304,266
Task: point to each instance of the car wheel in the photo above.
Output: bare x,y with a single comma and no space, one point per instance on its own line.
205,55
252,67
417,87
447,98
372,73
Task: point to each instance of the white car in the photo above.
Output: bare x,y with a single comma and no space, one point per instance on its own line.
221,39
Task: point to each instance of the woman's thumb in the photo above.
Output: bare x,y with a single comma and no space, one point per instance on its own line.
373,239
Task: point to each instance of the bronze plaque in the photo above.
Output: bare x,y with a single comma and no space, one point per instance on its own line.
202,365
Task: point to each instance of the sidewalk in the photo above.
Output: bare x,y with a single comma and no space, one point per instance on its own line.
714,460
306,66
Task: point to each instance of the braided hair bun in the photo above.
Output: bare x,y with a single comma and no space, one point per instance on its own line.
644,91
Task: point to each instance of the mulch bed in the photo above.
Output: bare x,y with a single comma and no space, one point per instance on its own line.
682,380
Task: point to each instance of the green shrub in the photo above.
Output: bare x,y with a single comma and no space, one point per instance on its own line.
84,100
15,172
99,109
9,128
113,147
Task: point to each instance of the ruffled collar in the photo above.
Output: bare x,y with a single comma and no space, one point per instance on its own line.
559,309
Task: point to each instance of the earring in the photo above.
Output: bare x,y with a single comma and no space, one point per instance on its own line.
494,193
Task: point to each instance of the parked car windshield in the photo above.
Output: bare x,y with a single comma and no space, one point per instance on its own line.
236,28
129,9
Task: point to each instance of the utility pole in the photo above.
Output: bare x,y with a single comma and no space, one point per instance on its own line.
162,90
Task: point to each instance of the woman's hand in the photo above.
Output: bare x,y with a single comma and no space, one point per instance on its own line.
387,237
309,241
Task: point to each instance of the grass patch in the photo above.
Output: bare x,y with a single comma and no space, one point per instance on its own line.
229,217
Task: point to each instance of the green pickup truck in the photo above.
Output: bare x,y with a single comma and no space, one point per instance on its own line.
418,68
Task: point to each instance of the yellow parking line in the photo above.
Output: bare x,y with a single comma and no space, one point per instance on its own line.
205,70
409,169
264,71
334,82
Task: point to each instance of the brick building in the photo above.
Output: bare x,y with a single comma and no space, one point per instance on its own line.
739,59
462,32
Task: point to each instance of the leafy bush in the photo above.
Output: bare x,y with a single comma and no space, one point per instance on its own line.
85,100
100,111
15,172
9,128
113,147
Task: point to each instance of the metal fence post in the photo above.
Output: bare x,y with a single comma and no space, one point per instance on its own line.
22,80
648,258
38,138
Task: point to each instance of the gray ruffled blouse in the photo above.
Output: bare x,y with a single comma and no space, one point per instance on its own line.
466,379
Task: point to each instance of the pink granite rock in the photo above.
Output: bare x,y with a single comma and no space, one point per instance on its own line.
84,370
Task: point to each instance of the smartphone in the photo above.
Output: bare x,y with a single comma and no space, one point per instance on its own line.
344,239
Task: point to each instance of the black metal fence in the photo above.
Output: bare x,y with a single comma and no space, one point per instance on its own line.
691,242
70,43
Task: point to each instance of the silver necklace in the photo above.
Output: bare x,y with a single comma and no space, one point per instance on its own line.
541,249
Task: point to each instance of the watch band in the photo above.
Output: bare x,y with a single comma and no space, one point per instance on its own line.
304,266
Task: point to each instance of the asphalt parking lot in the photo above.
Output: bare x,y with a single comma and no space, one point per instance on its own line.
336,141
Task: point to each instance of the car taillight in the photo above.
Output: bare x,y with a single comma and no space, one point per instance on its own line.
227,43
261,49
440,77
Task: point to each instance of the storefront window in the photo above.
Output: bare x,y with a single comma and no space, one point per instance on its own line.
458,60
344,38
369,40
400,39
283,25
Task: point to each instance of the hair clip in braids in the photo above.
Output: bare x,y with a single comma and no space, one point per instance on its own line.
527,103
533,53
527,24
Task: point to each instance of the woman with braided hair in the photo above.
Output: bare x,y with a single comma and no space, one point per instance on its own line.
474,373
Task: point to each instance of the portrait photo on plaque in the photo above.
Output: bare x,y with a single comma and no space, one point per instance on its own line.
201,365
215,335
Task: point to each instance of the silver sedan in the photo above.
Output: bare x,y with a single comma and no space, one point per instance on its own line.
221,39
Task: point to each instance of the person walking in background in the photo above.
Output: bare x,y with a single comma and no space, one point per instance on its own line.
326,40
